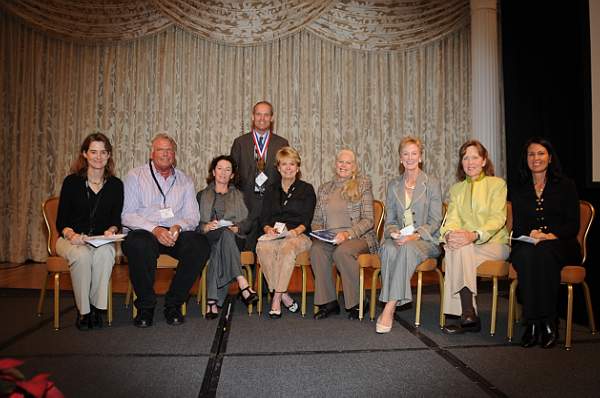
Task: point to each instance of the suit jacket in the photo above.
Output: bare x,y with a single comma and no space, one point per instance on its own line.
426,207
242,151
478,205
360,212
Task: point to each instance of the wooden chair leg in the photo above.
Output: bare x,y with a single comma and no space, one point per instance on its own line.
494,305
441,283
361,292
110,302
569,336
511,309
373,302
338,283
259,305
133,297
588,305
56,300
42,295
202,291
304,280
249,279
419,293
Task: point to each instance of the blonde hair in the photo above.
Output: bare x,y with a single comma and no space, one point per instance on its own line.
350,189
163,135
287,152
407,141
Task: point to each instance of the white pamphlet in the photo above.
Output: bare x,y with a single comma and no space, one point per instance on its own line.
99,240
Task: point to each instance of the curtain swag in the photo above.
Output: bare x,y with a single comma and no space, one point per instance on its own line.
364,25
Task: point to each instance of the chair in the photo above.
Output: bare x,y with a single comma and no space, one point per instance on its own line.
428,265
57,265
369,260
302,261
495,269
569,275
247,259
163,261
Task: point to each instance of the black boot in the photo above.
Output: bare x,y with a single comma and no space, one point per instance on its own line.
97,319
84,322
548,334
531,335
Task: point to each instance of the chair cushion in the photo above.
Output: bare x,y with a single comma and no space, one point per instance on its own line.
57,264
572,274
369,261
303,258
427,265
166,261
247,258
493,268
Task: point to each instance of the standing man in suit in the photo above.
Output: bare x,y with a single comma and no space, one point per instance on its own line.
254,154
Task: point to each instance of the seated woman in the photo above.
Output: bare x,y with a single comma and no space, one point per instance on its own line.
220,202
91,200
473,232
292,203
413,201
545,207
344,206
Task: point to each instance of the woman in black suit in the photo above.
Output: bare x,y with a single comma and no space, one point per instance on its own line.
545,207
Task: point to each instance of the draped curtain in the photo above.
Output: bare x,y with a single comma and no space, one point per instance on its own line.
355,74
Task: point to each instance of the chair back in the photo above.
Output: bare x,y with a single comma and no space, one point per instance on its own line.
586,216
509,218
378,216
50,212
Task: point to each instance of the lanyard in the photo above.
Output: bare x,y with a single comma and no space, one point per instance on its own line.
95,208
164,195
262,152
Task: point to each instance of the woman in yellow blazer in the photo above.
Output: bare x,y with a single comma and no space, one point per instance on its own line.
473,232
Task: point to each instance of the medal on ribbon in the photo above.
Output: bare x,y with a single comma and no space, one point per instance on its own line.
261,152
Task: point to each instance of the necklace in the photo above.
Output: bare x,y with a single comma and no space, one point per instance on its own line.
539,188
408,186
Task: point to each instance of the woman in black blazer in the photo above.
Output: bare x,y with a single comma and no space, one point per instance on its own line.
545,207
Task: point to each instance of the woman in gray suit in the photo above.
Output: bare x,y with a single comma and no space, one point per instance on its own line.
344,207
413,218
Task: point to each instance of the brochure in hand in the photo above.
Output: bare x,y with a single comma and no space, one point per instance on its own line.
527,239
325,235
100,240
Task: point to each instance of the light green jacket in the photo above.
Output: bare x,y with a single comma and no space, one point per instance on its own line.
484,211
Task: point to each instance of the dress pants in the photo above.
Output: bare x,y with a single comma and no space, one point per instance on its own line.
322,257
142,250
538,268
278,259
90,269
461,271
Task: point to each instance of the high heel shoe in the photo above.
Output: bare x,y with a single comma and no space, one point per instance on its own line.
210,314
381,328
294,307
252,296
274,314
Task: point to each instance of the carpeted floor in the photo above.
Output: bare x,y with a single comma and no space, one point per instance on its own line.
252,356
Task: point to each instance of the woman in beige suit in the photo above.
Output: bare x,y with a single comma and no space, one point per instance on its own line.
344,206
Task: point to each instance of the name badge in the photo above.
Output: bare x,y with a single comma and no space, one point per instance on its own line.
261,179
166,213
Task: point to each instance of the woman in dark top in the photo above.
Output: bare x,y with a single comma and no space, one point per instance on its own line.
545,207
91,200
291,203
222,202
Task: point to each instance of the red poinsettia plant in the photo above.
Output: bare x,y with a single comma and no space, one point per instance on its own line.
13,383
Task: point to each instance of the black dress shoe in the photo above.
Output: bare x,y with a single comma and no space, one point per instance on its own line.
252,297
548,334
531,335
353,312
84,322
144,318
468,324
327,309
174,316
97,320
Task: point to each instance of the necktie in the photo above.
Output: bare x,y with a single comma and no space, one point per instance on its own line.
261,142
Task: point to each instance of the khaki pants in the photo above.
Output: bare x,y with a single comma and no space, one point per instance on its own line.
461,271
322,257
278,258
90,270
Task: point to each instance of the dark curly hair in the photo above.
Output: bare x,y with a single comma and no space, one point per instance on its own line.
213,165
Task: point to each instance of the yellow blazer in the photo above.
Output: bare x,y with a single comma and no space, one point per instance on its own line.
484,211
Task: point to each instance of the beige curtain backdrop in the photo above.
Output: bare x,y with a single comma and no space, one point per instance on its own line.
53,92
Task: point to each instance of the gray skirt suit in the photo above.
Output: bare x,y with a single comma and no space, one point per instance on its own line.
398,263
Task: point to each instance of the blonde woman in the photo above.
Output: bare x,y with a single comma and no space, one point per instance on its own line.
413,217
292,202
344,206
